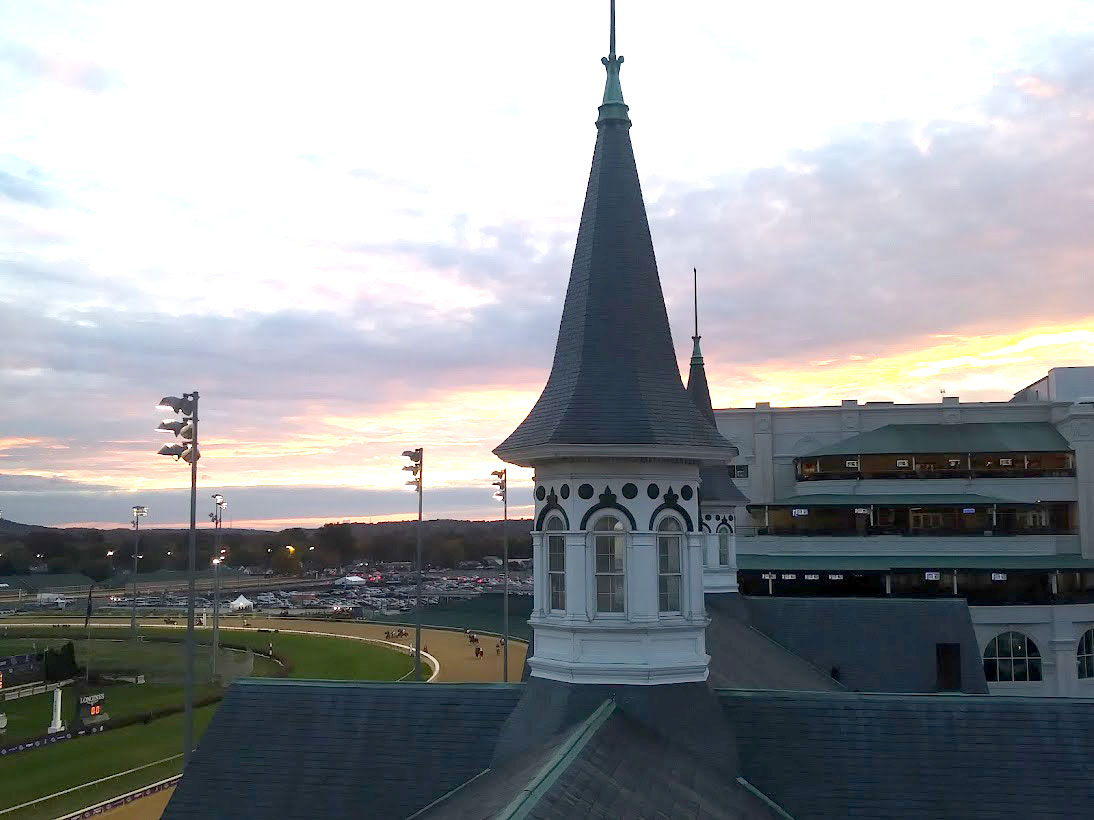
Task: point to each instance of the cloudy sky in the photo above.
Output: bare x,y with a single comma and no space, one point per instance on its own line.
349,225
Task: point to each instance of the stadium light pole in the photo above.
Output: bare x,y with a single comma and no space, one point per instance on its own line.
187,431
416,467
217,515
216,612
138,514
503,493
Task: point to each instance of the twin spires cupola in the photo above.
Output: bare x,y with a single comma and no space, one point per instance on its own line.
617,446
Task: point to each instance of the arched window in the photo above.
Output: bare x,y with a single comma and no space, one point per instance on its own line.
669,536
609,544
556,563
1012,656
1086,654
723,545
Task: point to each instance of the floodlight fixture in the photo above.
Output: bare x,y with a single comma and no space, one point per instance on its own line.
175,450
413,455
185,405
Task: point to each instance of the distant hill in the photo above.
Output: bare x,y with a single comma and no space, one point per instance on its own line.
15,528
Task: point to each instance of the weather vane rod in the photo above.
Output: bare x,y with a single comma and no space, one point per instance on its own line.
611,44
695,275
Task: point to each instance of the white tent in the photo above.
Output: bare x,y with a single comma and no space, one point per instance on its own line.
240,603
350,580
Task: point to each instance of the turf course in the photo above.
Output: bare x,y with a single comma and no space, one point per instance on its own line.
32,774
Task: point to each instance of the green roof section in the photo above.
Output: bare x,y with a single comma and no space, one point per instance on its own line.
886,563
909,439
888,500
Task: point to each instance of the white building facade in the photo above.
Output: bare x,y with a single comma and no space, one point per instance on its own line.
992,501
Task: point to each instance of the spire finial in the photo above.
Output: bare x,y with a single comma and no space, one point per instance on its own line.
695,280
611,46
613,107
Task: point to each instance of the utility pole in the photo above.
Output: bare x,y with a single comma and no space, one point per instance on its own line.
138,513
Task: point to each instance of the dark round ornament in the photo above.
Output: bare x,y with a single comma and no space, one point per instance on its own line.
686,492
653,491
564,491
585,491
629,491
541,492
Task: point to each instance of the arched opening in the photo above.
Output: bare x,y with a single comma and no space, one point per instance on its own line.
556,564
1012,656
609,542
669,548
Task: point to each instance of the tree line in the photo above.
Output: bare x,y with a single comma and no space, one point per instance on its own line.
290,551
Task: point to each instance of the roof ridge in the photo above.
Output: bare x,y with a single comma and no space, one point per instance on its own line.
522,805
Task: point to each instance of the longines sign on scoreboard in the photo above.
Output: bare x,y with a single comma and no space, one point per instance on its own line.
92,709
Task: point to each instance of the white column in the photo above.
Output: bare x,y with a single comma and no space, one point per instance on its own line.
641,582
579,580
540,589
56,725
693,574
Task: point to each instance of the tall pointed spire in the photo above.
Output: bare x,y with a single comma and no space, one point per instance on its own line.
614,379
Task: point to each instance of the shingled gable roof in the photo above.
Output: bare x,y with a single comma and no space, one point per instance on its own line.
614,379
306,749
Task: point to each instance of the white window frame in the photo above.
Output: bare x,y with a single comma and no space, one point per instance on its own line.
1084,655
1031,653
724,534
554,537
618,576
669,529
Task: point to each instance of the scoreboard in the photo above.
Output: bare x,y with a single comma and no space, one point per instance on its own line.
92,708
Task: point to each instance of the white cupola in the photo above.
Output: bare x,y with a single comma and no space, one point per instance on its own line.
617,445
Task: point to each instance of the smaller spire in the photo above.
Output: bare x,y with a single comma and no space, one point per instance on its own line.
696,353
612,107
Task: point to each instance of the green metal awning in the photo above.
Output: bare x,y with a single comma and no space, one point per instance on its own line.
909,439
885,563
888,500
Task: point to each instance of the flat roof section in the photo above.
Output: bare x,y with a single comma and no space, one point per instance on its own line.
987,437
885,563
888,500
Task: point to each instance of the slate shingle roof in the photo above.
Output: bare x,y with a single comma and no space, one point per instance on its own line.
307,749
627,771
879,644
614,379
932,757
611,765
742,657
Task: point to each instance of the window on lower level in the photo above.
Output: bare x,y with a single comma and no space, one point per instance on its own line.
1012,656
1086,654
669,537
740,471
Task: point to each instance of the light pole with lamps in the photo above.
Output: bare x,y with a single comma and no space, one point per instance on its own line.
416,467
503,494
217,516
186,430
216,612
138,514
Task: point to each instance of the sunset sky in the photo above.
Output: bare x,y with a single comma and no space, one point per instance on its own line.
350,226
